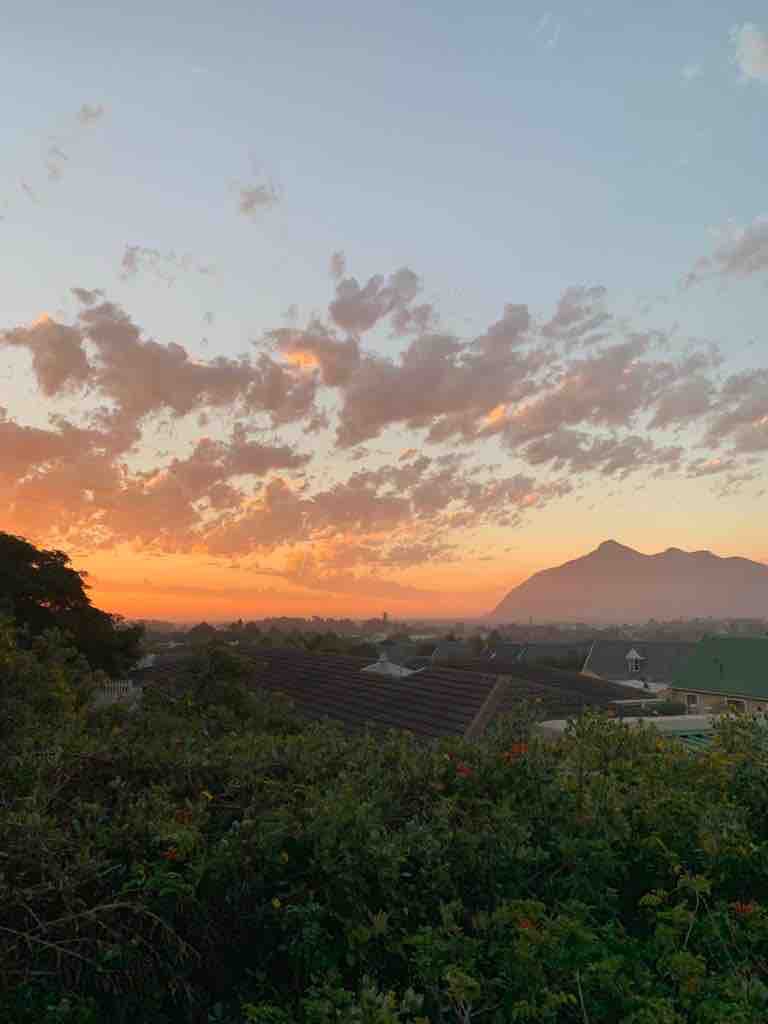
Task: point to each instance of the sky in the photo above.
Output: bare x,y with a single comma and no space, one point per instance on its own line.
345,308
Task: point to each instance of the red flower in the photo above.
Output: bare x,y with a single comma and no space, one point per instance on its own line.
463,769
526,923
172,854
744,909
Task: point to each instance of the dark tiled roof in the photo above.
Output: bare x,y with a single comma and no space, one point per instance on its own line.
434,702
506,651
456,650
662,659
571,651
401,653
594,691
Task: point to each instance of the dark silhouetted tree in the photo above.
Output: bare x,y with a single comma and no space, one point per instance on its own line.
39,590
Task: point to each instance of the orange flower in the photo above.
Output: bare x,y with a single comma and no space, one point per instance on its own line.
172,854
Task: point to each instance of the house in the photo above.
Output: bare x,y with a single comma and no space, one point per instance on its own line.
447,651
650,665
407,653
725,672
430,704
571,654
385,667
505,651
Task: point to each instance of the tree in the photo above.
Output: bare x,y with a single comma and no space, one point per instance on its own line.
44,680
39,590
202,633
476,644
494,640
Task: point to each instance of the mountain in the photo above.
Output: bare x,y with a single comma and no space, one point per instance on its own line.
614,584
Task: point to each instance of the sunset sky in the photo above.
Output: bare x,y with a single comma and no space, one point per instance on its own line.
331,309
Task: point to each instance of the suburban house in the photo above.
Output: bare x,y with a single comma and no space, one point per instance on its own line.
725,672
505,651
651,665
385,667
432,703
571,654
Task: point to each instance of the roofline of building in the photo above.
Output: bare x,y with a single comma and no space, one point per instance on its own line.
489,707
717,693
586,660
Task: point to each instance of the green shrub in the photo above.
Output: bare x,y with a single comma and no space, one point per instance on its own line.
212,858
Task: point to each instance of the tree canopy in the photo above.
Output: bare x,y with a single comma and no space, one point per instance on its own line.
39,590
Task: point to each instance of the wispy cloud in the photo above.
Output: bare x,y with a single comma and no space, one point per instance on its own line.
253,198
547,30
751,45
690,72
740,252
165,266
90,113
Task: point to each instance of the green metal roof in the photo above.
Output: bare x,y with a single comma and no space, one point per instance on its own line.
732,665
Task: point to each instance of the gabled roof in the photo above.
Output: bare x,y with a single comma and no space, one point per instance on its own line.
578,649
402,652
385,667
731,665
588,690
432,703
506,651
661,660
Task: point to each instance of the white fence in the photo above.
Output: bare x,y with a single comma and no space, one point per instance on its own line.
118,691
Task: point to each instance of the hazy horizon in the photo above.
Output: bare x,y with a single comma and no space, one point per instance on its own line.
331,310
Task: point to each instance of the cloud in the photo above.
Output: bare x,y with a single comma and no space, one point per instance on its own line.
58,358
90,113
581,452
252,199
751,51
690,72
548,29
56,155
579,317
143,376
575,395
55,160
338,265
741,252
29,192
741,409
165,266
357,309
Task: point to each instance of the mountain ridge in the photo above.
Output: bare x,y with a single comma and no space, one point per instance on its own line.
615,583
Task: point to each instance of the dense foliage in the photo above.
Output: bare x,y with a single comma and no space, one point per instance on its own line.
40,590
209,858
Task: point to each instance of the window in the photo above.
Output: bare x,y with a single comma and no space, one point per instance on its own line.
634,664
736,705
692,700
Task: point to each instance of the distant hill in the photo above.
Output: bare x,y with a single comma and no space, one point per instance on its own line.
615,584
